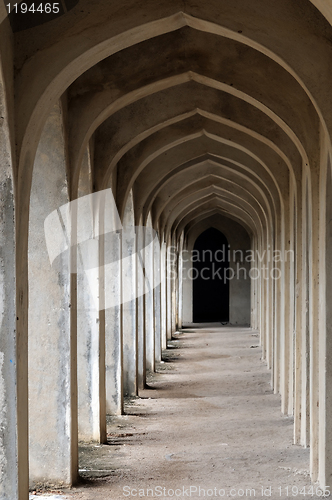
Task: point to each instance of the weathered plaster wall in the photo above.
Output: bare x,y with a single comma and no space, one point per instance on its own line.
8,364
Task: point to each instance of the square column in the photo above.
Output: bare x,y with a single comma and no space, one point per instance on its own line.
52,340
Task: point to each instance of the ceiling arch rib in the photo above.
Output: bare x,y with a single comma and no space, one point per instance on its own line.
160,110
247,131
229,190
281,214
217,221
91,106
208,218
211,117
185,181
267,188
207,211
153,165
324,7
221,194
247,203
213,135
208,205
77,55
208,181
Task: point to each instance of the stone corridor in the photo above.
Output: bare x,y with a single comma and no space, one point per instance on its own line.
208,419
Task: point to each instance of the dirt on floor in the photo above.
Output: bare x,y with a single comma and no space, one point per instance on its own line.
207,426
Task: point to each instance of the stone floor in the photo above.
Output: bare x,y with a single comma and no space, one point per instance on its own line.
207,426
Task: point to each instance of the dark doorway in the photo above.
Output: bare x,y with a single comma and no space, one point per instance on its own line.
210,288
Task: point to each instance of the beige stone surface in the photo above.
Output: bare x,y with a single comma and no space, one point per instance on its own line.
208,418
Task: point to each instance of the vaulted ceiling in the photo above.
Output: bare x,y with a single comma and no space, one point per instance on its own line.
199,107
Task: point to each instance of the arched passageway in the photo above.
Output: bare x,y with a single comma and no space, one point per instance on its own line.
210,278
192,116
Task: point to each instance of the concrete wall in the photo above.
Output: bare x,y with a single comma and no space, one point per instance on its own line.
9,418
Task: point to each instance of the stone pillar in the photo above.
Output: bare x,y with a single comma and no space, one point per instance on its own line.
285,365
291,301
169,270
88,345
129,301
240,285
174,277
180,284
163,291
90,337
260,252
264,295
113,333
140,309
325,330
253,281
187,286
52,390
157,299
282,323
259,284
314,307
269,301
13,360
149,313
102,323
299,291
275,375
176,288
305,340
